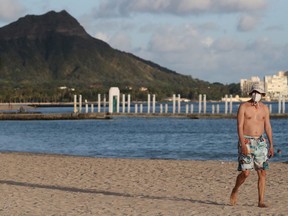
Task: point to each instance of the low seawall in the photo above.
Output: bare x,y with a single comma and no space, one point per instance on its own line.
78,116
53,116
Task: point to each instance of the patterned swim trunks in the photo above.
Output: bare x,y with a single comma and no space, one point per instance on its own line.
257,154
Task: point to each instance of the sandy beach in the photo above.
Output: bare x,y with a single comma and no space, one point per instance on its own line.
39,184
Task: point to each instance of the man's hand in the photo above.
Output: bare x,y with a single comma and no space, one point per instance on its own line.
271,152
244,149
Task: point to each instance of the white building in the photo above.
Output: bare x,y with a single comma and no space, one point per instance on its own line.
276,85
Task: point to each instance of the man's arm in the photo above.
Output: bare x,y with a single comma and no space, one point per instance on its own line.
240,127
268,130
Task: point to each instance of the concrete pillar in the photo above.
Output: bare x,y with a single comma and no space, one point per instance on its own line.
204,103
200,103
99,102
92,108
226,104
213,109
187,108
161,108
191,108
153,103
270,108
129,103
217,108
231,104
148,103
166,108
279,104
80,103
104,103
283,104
86,106
75,104
141,108
179,103
174,103
136,108
123,103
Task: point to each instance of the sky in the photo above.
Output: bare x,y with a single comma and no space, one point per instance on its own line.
211,40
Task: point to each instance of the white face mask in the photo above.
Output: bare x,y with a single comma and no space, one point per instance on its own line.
256,97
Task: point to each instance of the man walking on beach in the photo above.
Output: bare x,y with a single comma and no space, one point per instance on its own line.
253,120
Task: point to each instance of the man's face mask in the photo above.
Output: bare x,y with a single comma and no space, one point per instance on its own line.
256,97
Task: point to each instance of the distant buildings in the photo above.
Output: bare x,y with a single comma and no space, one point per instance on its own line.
275,85
246,84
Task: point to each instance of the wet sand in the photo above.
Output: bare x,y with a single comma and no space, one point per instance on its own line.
39,184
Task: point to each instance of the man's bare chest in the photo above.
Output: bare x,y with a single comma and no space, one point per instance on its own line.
255,114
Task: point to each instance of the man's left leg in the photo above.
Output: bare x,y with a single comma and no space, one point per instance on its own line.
261,187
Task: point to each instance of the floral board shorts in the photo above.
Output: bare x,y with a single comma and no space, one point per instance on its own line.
257,154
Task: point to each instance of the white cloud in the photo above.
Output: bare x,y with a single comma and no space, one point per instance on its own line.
226,44
187,50
10,9
208,41
240,5
179,7
102,36
121,41
174,39
247,23
274,28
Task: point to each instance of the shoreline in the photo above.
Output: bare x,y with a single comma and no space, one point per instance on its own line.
117,158
126,158
45,184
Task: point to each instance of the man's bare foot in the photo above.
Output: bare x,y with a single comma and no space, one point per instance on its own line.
262,205
233,197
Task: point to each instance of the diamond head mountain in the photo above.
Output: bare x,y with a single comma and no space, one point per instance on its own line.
40,53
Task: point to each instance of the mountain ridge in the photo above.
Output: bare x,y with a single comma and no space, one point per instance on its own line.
51,20
54,49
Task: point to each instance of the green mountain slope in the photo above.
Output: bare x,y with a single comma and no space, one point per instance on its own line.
40,53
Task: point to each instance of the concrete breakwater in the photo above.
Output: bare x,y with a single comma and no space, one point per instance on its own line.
191,116
53,116
107,116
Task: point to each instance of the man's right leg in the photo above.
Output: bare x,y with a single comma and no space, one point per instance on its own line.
239,181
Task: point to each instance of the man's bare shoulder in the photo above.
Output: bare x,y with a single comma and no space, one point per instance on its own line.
266,108
245,104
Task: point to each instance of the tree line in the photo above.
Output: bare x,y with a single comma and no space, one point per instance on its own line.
52,93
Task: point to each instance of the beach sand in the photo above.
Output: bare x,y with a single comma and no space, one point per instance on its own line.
40,184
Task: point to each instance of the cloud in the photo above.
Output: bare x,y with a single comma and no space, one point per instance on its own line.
239,5
274,28
226,44
10,9
208,41
188,50
247,23
102,36
174,39
121,41
116,8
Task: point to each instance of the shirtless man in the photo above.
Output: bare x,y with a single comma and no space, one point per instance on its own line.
252,121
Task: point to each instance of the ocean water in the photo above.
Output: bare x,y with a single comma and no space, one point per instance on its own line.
129,137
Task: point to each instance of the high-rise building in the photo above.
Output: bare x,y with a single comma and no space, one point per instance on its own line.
276,85
245,84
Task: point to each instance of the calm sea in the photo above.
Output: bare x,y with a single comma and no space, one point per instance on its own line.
127,137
